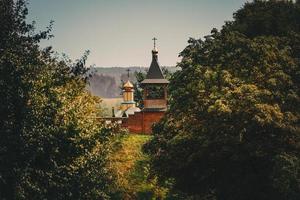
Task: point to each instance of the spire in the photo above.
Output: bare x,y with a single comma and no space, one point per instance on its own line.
155,74
128,84
154,51
154,70
154,41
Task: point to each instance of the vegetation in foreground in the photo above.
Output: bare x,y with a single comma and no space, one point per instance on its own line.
235,137
132,171
233,128
51,144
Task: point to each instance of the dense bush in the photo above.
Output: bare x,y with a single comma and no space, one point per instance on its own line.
232,130
51,145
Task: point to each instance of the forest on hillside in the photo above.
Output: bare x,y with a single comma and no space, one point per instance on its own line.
231,131
106,82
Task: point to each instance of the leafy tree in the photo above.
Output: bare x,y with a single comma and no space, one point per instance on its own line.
232,130
51,145
138,91
276,18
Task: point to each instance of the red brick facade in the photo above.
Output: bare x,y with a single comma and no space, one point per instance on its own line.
141,122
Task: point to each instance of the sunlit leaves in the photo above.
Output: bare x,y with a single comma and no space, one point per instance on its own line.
52,146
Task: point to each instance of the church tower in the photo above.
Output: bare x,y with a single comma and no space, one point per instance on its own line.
154,98
128,96
155,86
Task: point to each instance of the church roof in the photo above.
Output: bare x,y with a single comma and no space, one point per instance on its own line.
128,84
154,70
127,112
155,74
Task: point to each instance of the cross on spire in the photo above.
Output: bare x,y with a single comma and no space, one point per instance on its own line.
154,39
128,70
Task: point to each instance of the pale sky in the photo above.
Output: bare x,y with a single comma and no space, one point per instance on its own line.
119,32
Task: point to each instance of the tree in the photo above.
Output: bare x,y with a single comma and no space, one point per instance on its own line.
51,145
138,91
232,130
276,18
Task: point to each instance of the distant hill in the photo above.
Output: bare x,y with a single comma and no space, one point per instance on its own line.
106,81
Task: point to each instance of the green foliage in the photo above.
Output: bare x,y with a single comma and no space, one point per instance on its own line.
132,169
51,145
232,130
276,18
138,91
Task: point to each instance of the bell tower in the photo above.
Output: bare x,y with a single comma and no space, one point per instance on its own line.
155,86
154,99
128,95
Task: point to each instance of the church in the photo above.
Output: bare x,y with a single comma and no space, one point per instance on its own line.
138,120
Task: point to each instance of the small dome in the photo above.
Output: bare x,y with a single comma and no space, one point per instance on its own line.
128,84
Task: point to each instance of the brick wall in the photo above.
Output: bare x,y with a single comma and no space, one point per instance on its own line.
134,123
150,118
155,103
142,122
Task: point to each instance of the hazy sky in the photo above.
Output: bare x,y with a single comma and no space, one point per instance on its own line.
119,32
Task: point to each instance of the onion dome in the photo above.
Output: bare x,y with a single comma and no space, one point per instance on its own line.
128,84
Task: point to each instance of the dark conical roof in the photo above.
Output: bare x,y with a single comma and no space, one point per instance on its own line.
154,70
155,75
